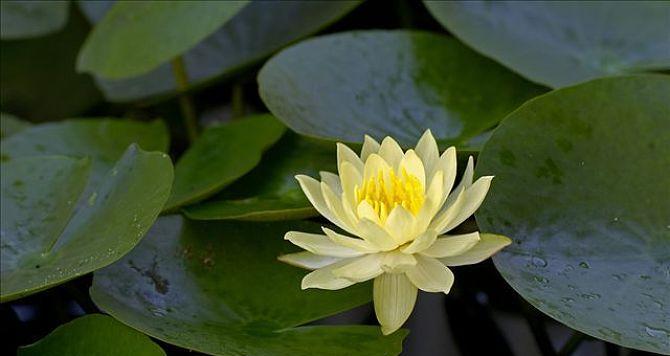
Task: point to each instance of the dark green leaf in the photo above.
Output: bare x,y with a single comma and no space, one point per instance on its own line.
218,288
46,241
94,334
10,124
558,43
22,19
258,30
396,83
582,186
220,156
136,37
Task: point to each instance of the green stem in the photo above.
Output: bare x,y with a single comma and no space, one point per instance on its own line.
185,103
572,344
238,101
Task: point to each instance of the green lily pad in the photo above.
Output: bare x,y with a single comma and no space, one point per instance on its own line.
396,83
23,19
258,30
46,241
270,191
558,43
93,334
38,77
217,287
136,37
584,195
221,155
102,139
10,124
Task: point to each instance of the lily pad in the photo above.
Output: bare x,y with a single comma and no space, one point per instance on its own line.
221,155
93,334
584,195
270,191
558,43
23,19
10,124
258,30
117,47
46,241
396,83
217,287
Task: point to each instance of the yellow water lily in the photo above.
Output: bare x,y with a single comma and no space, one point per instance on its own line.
396,206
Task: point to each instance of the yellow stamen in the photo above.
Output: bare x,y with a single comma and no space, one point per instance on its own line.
383,195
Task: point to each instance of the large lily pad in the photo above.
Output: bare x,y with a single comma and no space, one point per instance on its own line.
270,191
221,155
10,125
45,241
582,186
396,83
93,334
258,30
558,43
136,37
218,288
23,19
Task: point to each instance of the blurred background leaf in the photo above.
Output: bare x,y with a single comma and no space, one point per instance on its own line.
24,19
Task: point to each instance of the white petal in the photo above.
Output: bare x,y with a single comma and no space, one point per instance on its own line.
312,189
412,164
335,206
394,298
362,268
397,262
376,235
487,246
473,198
373,166
308,260
366,211
320,244
323,278
447,164
466,181
421,243
333,181
446,246
400,225
427,150
350,178
370,146
353,243
346,154
430,275
391,152
448,211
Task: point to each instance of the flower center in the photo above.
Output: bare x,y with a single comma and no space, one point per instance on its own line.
385,193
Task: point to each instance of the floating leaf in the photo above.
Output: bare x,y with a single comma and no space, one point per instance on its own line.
270,191
218,288
46,241
396,83
558,43
258,30
584,194
22,19
93,334
220,156
136,37
10,124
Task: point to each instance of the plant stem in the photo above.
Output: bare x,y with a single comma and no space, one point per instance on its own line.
572,344
185,103
238,101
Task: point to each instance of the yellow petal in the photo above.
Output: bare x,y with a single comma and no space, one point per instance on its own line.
394,297
370,146
323,278
427,150
320,244
400,225
353,243
421,243
366,211
376,235
373,166
346,154
391,152
487,246
350,178
308,260
430,275
361,269
473,198
397,262
412,164
446,246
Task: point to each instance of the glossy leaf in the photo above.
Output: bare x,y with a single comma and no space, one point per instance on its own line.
218,288
396,83
46,241
136,37
258,30
558,43
270,191
10,124
221,155
38,77
93,334
23,19
584,195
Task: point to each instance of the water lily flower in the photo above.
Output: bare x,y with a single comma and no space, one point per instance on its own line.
395,208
